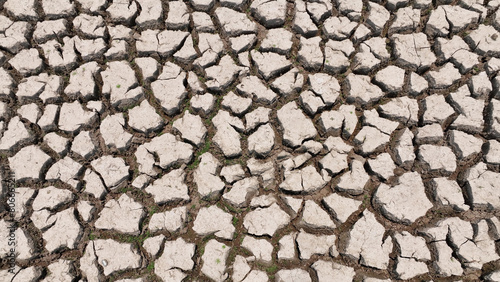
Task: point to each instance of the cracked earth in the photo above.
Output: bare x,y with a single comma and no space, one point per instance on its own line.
265,140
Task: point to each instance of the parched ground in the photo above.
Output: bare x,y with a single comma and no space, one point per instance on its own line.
268,140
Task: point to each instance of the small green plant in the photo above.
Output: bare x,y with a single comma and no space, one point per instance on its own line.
153,210
136,239
151,266
366,200
124,190
268,188
272,269
118,86
223,246
91,236
202,151
235,220
229,208
217,261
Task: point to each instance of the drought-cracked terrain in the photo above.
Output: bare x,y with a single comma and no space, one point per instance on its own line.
265,140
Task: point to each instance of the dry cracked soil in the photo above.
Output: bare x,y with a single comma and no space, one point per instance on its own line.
240,140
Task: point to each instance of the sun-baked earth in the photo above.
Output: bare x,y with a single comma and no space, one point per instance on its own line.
265,140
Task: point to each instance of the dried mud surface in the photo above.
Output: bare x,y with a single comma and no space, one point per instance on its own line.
466,216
